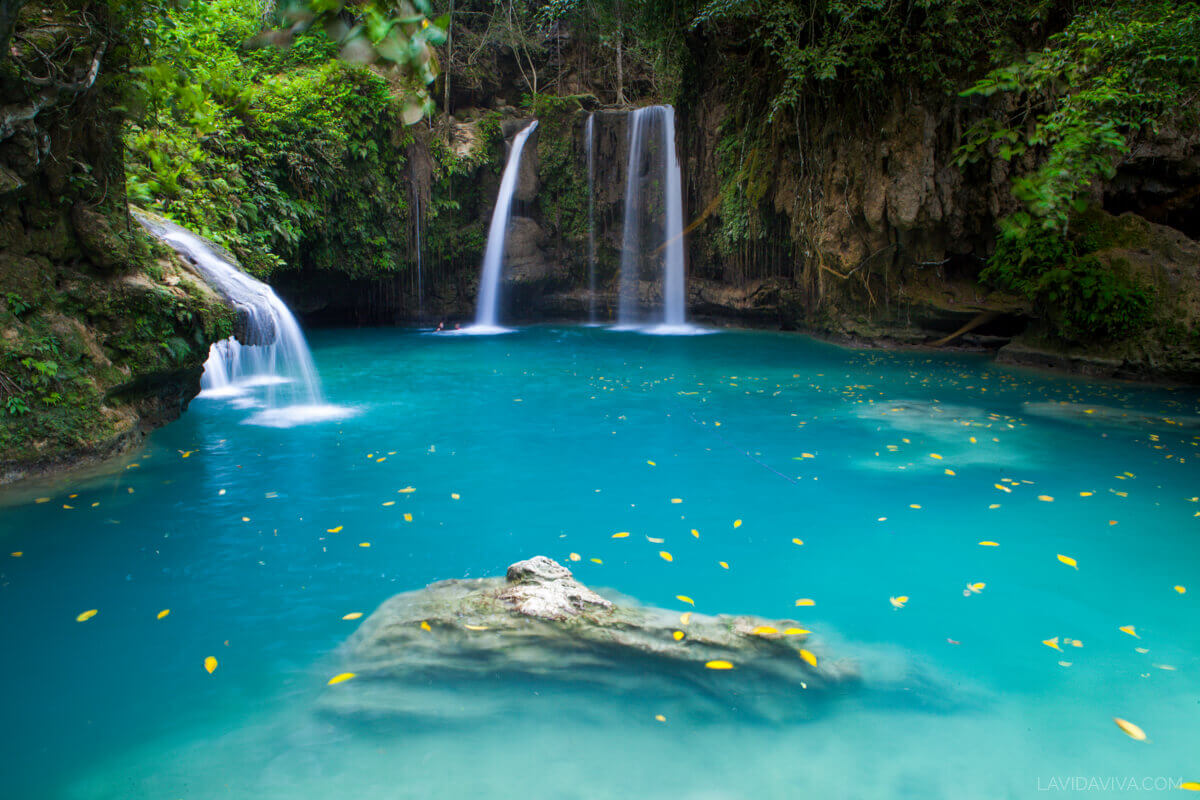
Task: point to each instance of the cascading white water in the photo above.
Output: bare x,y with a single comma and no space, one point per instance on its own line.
420,288
589,139
650,126
272,351
486,309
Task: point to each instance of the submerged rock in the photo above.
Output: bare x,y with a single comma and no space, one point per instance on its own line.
468,648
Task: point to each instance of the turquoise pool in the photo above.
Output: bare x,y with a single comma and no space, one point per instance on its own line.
541,442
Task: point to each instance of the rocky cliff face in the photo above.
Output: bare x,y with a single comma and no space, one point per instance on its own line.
870,235
101,337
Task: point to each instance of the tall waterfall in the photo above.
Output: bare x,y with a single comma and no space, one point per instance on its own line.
486,308
271,350
420,288
653,162
590,139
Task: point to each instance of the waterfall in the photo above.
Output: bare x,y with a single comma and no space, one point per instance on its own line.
486,311
420,288
270,350
651,128
589,139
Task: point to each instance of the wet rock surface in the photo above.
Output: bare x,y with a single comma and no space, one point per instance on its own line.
466,648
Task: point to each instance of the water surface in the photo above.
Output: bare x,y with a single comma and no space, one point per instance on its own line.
545,435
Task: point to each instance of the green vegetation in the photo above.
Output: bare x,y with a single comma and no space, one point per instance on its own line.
287,157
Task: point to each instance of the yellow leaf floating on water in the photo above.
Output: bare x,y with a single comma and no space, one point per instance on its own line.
676,500
805,601
665,555
651,463
210,664
898,602
425,626
660,718
1070,562
798,541
1131,730
1052,643
595,561
976,587
695,533
655,540
1190,786
1130,630
163,613
336,679
935,455
1141,650
719,665
796,632
364,544
1045,498
724,564
407,517
678,635
737,523
454,496
989,544
16,554
808,657
683,598
914,505
1085,494
1181,589
994,506
574,556
390,503
1002,487
338,529
85,616
406,490
950,472
42,500
352,615
476,627
764,630
621,535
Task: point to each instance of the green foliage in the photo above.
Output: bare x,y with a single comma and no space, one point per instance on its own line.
287,157
1081,297
807,46
16,305
1117,71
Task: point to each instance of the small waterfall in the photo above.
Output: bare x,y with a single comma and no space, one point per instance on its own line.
589,139
270,349
651,128
420,288
486,311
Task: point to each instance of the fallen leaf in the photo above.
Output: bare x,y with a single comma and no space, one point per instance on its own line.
210,664
804,601
352,615
86,615
1130,630
163,613
665,555
1131,730
1070,562
683,598
798,541
719,665
620,535
678,635
809,657
764,630
898,602
336,679
737,523
425,626
989,544
1052,643
338,529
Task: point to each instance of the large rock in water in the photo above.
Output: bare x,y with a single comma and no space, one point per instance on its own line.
469,648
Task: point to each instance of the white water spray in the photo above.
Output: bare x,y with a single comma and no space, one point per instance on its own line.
486,308
648,127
